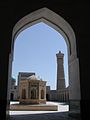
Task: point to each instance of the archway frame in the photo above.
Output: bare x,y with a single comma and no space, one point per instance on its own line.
59,24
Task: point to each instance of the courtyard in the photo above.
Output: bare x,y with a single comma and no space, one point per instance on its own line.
61,114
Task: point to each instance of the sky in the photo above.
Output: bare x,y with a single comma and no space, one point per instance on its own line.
35,50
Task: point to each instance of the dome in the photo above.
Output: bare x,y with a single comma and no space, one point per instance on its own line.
33,77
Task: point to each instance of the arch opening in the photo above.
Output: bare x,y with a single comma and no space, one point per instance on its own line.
59,24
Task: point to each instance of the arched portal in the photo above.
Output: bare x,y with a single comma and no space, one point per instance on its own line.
33,94
23,94
59,24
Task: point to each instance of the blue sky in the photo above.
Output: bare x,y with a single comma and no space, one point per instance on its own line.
35,51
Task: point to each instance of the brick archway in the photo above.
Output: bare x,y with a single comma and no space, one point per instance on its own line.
59,24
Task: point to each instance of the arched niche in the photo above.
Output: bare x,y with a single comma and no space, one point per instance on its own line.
59,24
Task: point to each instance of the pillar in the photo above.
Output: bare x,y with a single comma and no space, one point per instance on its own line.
74,88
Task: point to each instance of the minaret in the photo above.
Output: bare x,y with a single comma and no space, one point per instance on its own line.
60,71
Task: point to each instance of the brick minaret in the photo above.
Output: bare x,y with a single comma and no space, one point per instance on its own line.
60,71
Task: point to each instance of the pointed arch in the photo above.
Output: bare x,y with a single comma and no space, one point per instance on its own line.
59,24
53,20
23,94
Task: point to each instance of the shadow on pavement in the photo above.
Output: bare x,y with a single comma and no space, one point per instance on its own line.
43,116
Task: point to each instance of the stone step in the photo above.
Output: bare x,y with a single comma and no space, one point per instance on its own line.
34,107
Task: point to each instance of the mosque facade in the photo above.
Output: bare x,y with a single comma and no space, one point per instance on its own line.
32,90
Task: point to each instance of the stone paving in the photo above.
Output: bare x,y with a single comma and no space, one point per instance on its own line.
61,114
45,116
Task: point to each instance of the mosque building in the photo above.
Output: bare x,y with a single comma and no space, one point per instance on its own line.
32,90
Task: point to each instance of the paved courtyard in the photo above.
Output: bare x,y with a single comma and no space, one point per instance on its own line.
61,114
